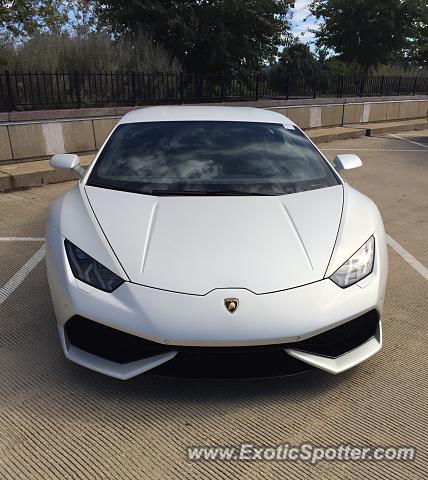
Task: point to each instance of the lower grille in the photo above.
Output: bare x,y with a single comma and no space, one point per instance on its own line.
232,364
341,339
110,343
121,347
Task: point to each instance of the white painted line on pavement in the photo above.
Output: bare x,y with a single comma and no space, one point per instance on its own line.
22,239
407,140
405,255
20,275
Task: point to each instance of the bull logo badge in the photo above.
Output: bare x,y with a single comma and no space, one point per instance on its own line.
231,304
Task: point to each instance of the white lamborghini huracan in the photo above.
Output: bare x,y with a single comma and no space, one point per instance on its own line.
214,242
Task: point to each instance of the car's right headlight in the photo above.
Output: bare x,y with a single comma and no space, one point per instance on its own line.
89,271
357,267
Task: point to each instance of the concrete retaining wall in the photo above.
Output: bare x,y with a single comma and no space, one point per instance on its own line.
316,116
40,139
37,140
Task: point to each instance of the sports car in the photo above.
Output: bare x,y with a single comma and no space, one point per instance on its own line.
214,242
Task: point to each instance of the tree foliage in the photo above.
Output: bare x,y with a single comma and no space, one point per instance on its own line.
205,35
369,32
22,19
418,42
212,36
298,59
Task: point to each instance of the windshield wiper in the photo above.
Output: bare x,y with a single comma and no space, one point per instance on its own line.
208,193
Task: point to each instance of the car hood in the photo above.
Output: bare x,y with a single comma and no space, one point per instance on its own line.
196,244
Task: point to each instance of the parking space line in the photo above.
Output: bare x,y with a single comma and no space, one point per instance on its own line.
409,258
407,140
22,239
21,274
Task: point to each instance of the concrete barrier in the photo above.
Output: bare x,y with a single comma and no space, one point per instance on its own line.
19,141
408,110
28,140
353,113
393,110
38,139
5,148
369,112
102,128
423,109
313,116
331,115
377,112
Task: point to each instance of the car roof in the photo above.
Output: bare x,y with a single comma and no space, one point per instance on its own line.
204,113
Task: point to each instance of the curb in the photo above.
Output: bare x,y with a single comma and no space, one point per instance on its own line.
320,137
421,125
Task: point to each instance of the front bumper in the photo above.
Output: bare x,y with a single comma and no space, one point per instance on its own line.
175,321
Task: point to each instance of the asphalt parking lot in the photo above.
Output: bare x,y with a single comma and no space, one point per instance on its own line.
58,420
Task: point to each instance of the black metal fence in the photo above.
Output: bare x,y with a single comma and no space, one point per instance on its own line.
47,90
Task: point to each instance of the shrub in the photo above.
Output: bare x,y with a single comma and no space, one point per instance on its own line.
95,51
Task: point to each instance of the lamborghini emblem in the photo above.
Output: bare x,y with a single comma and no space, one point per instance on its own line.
231,304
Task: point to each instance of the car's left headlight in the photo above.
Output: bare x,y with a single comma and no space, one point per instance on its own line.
357,267
89,271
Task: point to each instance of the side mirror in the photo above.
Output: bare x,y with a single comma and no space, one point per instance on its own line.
67,161
346,161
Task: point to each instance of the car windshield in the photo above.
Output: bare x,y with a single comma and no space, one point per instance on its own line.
210,158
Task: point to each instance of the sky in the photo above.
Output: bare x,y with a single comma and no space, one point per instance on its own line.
299,26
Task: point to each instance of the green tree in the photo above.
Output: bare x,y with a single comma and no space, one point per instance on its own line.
298,59
368,32
205,35
417,52
38,22
23,18
295,62
80,15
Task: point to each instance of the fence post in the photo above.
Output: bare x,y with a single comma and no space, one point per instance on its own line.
341,81
181,88
221,87
257,86
314,92
77,87
287,86
415,81
362,82
133,88
399,86
382,85
10,97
